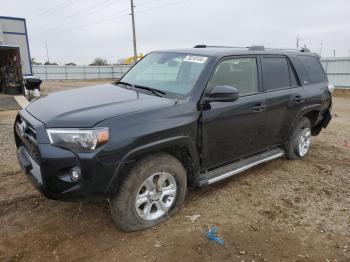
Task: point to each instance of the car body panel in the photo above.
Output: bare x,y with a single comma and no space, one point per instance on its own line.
85,107
232,130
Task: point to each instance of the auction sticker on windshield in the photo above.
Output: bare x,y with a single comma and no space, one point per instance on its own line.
195,59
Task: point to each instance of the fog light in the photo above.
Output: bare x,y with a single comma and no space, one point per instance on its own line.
75,174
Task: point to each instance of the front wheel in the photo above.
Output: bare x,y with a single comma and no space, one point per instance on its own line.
154,190
299,142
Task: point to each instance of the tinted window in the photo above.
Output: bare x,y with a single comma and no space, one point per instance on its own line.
293,79
240,73
275,73
313,68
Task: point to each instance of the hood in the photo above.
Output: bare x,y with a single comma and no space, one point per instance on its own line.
85,107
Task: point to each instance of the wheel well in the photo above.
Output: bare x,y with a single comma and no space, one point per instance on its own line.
179,152
312,116
184,156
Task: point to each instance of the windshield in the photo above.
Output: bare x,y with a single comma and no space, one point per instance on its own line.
168,72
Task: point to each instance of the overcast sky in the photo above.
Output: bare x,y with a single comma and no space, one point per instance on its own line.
80,30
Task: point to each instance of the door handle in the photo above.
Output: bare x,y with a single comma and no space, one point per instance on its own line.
298,99
259,107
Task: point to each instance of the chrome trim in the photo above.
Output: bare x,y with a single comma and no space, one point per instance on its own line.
244,168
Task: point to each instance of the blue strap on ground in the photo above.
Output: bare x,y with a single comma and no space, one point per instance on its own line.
211,234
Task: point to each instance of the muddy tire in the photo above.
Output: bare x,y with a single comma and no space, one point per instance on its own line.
299,141
154,190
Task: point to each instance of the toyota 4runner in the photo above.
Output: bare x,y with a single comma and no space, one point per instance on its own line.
177,118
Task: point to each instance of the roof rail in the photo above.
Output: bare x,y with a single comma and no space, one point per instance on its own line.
305,49
255,48
219,46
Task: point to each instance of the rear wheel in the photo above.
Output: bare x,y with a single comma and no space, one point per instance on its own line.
154,190
299,142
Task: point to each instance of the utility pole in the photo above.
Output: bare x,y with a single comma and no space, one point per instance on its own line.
298,39
333,52
47,52
321,48
133,29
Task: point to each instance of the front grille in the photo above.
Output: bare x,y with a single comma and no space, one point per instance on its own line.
28,137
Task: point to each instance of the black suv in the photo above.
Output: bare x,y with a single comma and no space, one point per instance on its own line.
177,118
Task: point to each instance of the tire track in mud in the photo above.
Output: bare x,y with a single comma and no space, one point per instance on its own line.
29,201
10,173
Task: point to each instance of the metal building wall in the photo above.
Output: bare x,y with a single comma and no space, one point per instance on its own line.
338,71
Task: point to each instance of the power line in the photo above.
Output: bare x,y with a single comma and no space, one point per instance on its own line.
148,2
133,20
162,6
97,22
54,9
88,11
114,17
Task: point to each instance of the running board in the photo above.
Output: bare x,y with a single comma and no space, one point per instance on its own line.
232,169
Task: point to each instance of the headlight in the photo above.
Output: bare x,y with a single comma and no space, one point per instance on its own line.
78,140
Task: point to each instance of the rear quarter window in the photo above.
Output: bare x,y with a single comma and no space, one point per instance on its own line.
313,68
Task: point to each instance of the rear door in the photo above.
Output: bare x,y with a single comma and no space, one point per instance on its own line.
232,130
284,96
316,87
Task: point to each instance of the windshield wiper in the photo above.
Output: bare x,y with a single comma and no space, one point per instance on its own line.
155,91
124,83
150,89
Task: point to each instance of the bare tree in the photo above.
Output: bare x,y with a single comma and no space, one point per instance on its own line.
49,63
99,62
34,62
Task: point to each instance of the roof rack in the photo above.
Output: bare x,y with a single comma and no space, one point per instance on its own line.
305,49
255,48
220,46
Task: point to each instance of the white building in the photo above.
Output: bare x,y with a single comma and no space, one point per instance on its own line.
13,34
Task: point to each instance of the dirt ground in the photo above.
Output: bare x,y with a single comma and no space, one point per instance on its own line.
279,211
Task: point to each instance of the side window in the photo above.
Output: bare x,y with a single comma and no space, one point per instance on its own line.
276,73
240,73
313,68
293,79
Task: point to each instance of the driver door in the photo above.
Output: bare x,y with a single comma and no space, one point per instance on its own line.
232,130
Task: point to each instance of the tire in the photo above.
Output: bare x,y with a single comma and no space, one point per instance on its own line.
159,168
292,145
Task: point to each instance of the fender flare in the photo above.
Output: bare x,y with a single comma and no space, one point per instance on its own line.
301,113
183,141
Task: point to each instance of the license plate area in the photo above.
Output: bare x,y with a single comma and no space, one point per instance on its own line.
29,166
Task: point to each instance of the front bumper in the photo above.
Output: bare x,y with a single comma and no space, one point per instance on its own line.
30,167
50,168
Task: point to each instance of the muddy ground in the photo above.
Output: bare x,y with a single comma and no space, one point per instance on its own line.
280,211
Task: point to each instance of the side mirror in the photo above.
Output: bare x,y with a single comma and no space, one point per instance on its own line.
223,94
